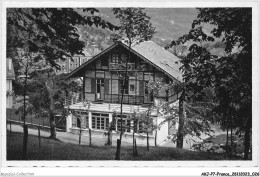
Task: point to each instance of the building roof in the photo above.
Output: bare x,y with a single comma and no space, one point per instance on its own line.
160,57
9,69
148,51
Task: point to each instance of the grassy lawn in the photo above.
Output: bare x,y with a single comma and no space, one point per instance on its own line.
56,150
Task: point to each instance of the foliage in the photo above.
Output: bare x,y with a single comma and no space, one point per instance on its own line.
135,25
197,113
229,75
50,31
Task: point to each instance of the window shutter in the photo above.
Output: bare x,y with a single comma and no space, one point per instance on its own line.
93,85
141,88
106,82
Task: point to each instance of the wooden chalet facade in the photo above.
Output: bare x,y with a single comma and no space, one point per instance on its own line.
103,85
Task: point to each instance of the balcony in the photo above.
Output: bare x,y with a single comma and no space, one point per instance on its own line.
121,67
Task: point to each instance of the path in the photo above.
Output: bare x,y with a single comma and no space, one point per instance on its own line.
100,140
65,137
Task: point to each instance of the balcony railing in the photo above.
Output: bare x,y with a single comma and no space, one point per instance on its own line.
127,99
77,98
111,98
117,66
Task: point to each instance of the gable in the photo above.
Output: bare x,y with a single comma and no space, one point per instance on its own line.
148,51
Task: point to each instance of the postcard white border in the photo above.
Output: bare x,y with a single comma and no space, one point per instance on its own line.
147,4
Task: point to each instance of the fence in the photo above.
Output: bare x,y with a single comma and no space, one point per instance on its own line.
31,119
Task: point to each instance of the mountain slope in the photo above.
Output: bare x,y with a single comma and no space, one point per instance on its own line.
170,23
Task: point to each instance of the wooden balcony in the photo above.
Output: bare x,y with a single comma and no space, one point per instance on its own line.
121,67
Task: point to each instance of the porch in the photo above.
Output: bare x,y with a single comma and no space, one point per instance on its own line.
99,116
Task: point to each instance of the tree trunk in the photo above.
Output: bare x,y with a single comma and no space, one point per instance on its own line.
247,138
155,138
109,134
147,139
180,134
39,135
52,125
25,127
133,142
109,137
79,135
121,105
135,148
25,140
118,147
49,86
227,151
89,137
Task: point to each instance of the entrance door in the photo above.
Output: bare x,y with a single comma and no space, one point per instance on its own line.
100,89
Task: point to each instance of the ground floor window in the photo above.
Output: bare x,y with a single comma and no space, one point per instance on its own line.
78,123
80,119
138,127
100,121
126,123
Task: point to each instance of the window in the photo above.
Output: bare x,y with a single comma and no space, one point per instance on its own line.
132,87
146,89
100,121
115,58
122,85
100,84
126,123
78,123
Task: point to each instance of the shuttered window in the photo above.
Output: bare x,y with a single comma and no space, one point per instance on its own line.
141,88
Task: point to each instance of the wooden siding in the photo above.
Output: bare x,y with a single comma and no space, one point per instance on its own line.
114,86
87,84
111,80
90,96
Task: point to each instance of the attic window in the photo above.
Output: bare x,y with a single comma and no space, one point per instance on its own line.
115,58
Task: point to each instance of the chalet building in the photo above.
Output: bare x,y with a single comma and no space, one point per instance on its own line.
10,76
103,85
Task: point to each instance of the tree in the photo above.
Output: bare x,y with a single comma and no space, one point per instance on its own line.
233,26
53,31
135,27
27,61
195,114
56,88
